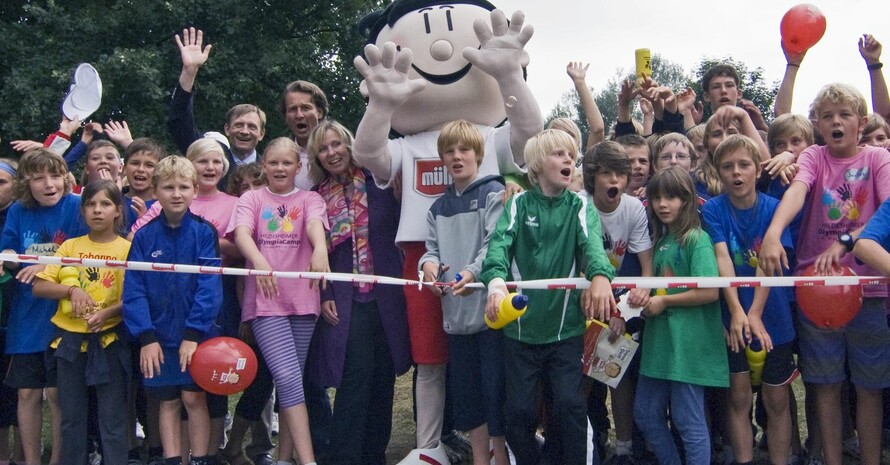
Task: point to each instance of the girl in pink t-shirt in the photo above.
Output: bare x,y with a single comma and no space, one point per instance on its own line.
283,228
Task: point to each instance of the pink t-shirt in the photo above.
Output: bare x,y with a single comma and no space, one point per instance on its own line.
844,193
278,227
218,209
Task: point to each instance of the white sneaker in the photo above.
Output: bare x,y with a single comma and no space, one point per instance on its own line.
140,432
435,456
273,427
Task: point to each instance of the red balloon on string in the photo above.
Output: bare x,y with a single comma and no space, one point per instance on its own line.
802,27
829,306
223,366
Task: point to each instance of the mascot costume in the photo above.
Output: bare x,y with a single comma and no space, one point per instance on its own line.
428,62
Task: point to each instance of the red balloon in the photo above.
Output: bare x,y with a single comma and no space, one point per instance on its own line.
829,306
802,26
223,365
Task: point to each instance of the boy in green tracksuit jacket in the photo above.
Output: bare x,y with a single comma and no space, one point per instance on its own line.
548,232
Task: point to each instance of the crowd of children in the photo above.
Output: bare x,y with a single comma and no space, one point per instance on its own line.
732,196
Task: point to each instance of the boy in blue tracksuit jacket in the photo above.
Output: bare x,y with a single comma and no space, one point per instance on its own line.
169,313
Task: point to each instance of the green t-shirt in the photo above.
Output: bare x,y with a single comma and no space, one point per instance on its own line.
686,344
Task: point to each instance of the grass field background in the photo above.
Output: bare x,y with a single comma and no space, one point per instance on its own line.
402,440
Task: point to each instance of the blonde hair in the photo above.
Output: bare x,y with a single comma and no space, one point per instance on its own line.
567,125
696,131
461,132
174,166
735,143
206,145
313,144
285,143
842,94
873,122
539,147
34,162
707,173
788,125
673,182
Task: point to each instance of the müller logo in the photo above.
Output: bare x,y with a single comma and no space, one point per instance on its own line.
431,178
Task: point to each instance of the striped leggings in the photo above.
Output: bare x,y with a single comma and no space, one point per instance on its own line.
284,342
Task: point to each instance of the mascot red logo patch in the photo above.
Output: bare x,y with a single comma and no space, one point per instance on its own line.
430,177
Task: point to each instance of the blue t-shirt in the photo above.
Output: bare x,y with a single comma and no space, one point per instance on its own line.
742,231
878,227
37,231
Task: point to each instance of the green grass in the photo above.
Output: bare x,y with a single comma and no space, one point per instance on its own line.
402,440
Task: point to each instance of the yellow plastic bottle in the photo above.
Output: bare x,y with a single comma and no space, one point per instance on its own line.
68,276
644,63
512,307
756,355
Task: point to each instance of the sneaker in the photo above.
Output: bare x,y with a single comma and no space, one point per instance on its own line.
434,456
815,461
155,460
140,432
457,446
94,458
273,427
228,422
851,447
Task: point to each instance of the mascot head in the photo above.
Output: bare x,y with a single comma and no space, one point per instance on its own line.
437,31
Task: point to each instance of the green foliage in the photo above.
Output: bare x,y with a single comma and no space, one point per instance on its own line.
258,47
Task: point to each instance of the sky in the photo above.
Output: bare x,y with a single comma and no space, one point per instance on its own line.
605,33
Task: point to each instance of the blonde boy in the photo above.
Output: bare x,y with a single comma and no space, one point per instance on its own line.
845,184
168,325
548,232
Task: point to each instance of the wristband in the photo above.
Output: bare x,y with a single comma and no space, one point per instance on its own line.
796,65
875,66
71,290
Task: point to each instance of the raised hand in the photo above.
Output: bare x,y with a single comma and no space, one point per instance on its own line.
191,48
870,49
119,133
577,71
385,75
794,58
502,45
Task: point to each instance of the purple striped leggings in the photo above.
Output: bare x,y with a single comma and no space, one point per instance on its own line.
284,341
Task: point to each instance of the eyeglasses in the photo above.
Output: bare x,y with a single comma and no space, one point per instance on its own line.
667,157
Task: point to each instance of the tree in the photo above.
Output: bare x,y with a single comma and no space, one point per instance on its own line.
258,47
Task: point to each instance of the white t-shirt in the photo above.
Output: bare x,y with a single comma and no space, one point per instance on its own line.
424,177
624,230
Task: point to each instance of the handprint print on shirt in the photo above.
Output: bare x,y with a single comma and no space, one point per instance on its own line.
92,274
28,239
59,237
108,279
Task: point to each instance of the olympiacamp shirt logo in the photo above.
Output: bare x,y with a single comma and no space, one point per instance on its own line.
431,177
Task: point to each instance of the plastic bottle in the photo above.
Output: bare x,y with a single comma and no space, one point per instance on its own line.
512,307
68,276
756,355
643,59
